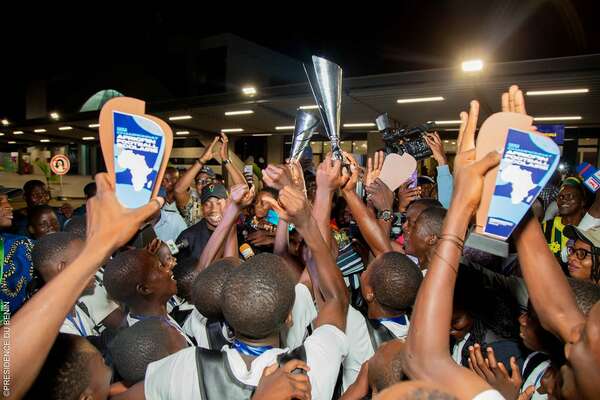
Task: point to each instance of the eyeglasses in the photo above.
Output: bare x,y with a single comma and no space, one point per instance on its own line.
581,254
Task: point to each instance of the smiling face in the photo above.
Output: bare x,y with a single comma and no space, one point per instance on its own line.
580,269
412,214
170,180
213,211
45,224
159,278
570,200
6,212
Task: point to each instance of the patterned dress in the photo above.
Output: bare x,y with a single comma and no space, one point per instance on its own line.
18,270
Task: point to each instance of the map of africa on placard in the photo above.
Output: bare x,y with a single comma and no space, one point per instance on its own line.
521,182
136,164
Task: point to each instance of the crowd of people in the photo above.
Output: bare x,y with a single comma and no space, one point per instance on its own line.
296,285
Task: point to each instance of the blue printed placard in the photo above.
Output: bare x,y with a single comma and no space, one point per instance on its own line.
590,175
528,162
139,147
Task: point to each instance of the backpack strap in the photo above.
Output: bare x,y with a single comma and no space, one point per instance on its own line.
216,380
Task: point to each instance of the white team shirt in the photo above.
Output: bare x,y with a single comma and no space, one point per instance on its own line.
457,349
535,377
489,395
98,304
304,313
195,326
176,377
80,324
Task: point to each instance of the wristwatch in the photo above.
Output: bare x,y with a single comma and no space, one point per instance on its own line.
385,215
226,161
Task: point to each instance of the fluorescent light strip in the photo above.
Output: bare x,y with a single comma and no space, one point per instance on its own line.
39,130
551,92
284,128
54,115
262,134
451,129
45,140
93,125
12,142
182,133
65,128
420,100
359,125
17,132
249,90
313,107
180,117
558,118
1,133
241,112
5,122
88,138
232,130
448,122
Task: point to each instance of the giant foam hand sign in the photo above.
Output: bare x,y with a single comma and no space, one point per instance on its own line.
528,161
136,149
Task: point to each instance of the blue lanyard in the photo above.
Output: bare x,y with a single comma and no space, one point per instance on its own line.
80,327
401,320
249,350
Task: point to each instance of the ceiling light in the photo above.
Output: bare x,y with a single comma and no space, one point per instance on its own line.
65,128
17,132
45,140
448,122
359,125
232,130
551,92
1,133
88,138
54,115
93,125
241,112
419,100
313,107
472,65
41,130
262,134
558,118
5,122
249,90
12,142
284,128
182,133
180,117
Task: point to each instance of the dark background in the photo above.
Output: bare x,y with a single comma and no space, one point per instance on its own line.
99,45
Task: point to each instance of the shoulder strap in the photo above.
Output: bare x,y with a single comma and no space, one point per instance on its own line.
214,333
378,335
215,378
534,361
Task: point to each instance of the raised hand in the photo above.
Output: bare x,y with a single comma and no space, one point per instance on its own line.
437,147
329,175
282,384
380,195
407,196
154,246
209,151
465,150
513,100
224,152
292,206
109,224
242,195
277,176
495,373
351,175
374,167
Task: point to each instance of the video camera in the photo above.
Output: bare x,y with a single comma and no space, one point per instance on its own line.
405,140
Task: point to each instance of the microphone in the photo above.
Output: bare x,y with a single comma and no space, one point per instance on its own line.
174,248
246,251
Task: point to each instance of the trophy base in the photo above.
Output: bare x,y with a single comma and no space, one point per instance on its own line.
487,244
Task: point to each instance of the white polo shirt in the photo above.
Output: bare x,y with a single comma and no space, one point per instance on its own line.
195,326
80,324
360,345
489,395
304,313
98,303
176,377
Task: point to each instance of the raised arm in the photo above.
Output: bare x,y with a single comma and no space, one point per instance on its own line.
237,176
241,196
293,206
367,224
34,328
427,355
382,199
182,195
329,179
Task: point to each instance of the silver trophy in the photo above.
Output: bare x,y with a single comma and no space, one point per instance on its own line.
305,126
325,79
